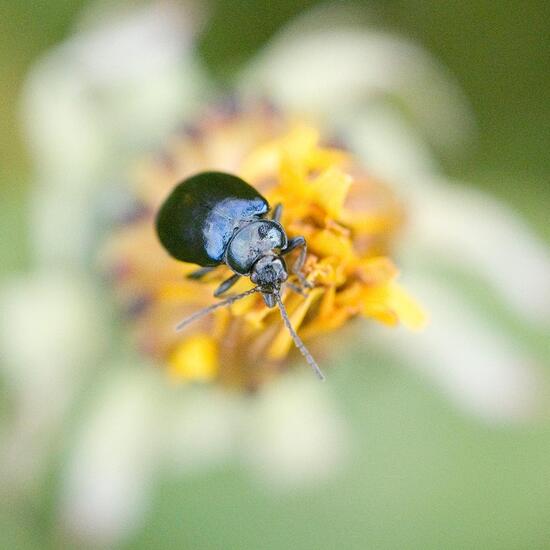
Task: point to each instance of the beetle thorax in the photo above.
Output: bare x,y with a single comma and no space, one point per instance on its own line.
253,241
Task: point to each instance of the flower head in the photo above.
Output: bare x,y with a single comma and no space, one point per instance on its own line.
348,219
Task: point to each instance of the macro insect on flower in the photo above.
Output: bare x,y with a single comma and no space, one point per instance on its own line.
347,218
215,218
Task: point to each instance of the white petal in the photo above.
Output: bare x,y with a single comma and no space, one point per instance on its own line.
51,333
472,230
391,148
92,106
451,221
106,489
88,128
122,84
203,429
50,323
338,70
294,434
476,365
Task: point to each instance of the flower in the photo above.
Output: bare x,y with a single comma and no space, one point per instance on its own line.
348,218
88,113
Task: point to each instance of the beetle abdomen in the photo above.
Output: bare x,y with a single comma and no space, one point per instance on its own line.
198,219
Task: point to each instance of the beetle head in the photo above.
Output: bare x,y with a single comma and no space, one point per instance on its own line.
269,273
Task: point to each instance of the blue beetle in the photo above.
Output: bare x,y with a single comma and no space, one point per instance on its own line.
215,218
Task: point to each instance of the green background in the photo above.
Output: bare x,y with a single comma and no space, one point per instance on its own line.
425,475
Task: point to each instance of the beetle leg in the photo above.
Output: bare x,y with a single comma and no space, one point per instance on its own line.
277,212
297,289
298,242
200,273
226,285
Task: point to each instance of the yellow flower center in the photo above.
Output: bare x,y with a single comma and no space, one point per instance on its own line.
347,218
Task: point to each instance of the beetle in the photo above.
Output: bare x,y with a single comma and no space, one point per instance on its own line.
215,218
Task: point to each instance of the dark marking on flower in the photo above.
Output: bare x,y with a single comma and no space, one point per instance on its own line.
118,271
192,131
137,306
166,160
268,107
230,105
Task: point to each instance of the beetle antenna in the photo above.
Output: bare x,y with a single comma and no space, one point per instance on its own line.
297,340
205,311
